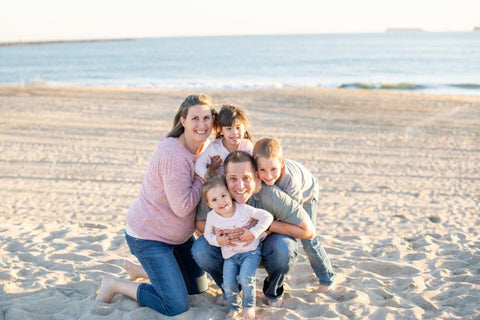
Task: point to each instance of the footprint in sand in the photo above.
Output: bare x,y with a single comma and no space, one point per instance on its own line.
103,310
69,257
422,302
387,269
341,294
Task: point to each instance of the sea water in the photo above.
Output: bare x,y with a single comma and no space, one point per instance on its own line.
420,61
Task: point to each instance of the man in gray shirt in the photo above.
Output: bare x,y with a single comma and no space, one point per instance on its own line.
279,248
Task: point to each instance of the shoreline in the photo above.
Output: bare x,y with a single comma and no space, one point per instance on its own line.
398,211
357,87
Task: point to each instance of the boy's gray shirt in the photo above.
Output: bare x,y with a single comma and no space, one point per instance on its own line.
298,182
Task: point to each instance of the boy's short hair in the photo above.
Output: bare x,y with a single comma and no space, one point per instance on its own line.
214,179
268,148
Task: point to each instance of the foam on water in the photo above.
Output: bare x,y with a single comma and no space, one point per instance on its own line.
420,61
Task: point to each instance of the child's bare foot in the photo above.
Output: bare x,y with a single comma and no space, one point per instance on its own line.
276,304
106,292
134,270
331,290
249,314
323,289
233,314
337,292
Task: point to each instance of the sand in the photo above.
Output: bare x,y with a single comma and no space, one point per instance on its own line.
398,215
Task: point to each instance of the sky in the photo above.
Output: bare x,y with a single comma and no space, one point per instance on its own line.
39,20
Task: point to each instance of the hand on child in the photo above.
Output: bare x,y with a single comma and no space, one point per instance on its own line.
251,223
215,163
225,237
231,237
246,236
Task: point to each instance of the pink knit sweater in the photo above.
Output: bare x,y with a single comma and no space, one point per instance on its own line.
165,207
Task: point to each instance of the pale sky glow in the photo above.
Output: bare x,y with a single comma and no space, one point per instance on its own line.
33,20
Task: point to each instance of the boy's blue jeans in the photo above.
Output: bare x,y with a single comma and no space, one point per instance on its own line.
172,272
240,270
279,253
316,254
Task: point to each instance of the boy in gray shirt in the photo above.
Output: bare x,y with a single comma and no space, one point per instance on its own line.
298,182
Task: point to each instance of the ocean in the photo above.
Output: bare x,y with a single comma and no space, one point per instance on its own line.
430,62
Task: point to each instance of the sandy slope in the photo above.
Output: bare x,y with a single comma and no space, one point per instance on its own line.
399,210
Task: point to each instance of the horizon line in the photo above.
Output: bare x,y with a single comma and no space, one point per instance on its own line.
130,38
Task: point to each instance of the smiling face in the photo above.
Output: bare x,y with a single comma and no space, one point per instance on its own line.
232,135
219,199
269,170
198,124
241,180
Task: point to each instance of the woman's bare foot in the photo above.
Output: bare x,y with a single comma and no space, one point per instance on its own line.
233,314
249,314
107,289
112,285
134,270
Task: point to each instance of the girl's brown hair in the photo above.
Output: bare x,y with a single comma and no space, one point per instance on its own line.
214,179
228,115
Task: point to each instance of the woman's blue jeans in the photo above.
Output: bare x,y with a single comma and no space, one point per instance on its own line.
172,272
240,270
316,254
279,253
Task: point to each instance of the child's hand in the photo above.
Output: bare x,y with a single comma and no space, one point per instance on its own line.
223,239
215,163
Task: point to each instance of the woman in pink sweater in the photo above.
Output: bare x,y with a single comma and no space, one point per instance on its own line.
161,221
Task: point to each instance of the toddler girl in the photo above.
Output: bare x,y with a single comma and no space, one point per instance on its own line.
241,260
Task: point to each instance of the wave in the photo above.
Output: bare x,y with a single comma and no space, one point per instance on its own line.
455,88
472,86
384,86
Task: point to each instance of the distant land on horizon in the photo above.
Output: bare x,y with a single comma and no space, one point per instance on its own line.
40,42
25,43
404,30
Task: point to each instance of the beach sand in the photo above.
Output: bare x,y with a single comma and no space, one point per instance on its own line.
398,213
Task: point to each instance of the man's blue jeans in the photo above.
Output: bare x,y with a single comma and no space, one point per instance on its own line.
279,253
316,254
172,272
240,270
